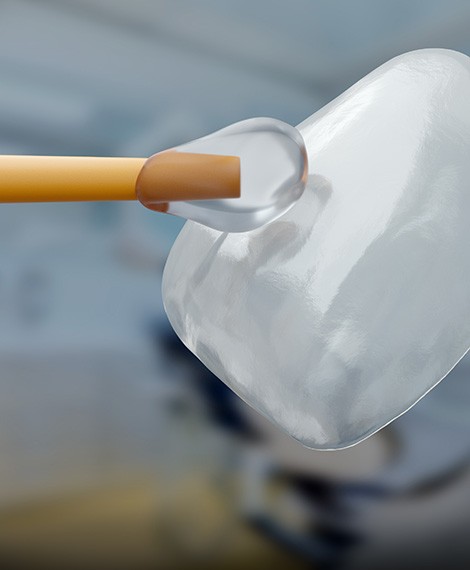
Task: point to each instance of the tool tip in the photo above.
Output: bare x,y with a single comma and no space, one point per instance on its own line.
171,176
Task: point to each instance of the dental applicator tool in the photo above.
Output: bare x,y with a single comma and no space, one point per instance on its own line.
236,179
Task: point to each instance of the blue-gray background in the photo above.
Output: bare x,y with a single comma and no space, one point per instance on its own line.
116,449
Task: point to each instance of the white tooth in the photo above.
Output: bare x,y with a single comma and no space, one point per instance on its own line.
339,316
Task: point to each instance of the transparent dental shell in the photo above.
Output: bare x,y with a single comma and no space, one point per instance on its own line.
340,315
273,173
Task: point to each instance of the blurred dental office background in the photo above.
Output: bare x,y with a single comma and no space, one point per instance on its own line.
117,448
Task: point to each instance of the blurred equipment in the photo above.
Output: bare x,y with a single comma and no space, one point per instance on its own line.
304,501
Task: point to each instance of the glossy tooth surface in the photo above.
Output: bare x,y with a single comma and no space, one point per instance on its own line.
340,315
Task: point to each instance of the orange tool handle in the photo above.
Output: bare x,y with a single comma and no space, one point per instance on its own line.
59,179
162,178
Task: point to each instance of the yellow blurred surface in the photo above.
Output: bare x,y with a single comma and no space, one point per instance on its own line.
123,528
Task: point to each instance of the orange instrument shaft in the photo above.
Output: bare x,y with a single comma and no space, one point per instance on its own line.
167,176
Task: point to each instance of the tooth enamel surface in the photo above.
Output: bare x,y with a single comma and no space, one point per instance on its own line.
340,315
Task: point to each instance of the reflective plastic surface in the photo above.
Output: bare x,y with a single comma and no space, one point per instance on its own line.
273,167
340,315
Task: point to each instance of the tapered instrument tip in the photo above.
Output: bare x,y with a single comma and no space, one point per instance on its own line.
171,176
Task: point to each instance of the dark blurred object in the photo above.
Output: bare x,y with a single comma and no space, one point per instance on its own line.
221,402
323,520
